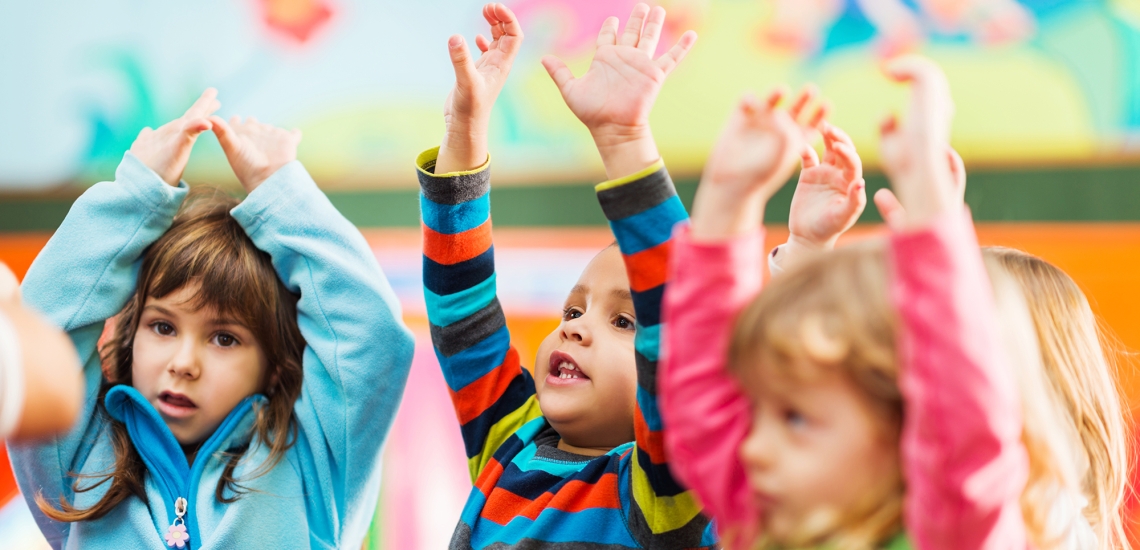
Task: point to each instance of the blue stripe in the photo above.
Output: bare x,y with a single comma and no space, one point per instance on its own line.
475,503
455,219
650,228
648,404
473,363
444,280
445,310
595,525
647,342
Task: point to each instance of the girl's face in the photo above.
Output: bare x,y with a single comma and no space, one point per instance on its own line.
816,454
193,365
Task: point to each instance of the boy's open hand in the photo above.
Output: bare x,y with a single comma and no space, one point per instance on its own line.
613,99
467,112
255,150
914,152
167,149
830,195
754,156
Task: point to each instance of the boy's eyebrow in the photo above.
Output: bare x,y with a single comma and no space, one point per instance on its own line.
580,289
622,293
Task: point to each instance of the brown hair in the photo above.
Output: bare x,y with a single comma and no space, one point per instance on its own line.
204,246
1072,347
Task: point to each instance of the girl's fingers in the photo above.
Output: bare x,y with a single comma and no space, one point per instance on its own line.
465,71
856,193
558,71
834,134
633,26
205,105
652,33
809,157
807,94
224,132
505,27
958,171
889,125
482,43
608,35
930,91
669,60
890,209
821,113
195,126
848,161
775,97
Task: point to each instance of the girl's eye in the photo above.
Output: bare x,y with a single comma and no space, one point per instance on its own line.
570,313
225,340
795,420
162,328
624,323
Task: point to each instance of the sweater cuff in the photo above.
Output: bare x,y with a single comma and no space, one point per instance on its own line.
453,187
142,182
634,194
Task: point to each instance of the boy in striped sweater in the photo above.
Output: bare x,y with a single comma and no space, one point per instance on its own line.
570,456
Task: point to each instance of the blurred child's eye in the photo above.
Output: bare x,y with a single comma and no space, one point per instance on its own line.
624,323
571,313
162,328
225,340
795,420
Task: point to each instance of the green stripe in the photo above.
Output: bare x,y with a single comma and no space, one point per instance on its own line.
1102,194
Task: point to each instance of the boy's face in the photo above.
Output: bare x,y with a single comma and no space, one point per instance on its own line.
585,373
193,366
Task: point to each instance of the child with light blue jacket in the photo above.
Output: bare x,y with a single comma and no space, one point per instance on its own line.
255,366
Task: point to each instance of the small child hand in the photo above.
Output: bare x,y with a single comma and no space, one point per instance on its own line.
893,212
467,112
754,156
167,149
830,195
914,152
255,150
613,99
9,285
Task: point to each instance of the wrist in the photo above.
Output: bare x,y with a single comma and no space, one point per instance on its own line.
721,216
461,150
800,243
625,150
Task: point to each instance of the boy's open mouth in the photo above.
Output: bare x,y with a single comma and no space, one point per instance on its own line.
175,404
564,369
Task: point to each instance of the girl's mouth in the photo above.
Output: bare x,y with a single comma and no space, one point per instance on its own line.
175,404
564,370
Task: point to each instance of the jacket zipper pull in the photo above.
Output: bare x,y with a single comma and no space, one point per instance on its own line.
176,535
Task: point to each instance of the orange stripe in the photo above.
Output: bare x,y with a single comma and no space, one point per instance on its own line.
578,495
478,396
648,268
452,249
502,506
489,477
649,441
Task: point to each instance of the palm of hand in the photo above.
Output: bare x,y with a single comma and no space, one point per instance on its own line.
821,205
261,151
466,99
618,89
165,150
751,153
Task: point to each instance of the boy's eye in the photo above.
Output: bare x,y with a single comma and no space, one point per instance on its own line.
225,340
624,323
162,327
571,313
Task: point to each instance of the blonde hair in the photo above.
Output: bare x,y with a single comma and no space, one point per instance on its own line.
1081,374
835,310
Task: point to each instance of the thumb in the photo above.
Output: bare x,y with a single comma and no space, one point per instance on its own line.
193,127
465,72
558,72
891,209
226,137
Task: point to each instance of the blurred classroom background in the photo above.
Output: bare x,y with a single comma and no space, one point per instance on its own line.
1048,121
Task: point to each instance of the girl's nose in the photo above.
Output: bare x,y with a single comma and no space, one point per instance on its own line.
186,362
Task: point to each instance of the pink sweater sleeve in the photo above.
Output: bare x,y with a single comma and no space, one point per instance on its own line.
706,414
963,460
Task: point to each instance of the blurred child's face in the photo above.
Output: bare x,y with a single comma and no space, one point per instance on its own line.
194,366
585,372
816,454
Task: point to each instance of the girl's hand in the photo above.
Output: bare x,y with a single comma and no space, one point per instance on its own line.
754,156
914,152
467,112
255,150
167,149
893,212
614,97
830,195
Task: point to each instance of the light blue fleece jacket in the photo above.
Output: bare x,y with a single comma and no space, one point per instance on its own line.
356,363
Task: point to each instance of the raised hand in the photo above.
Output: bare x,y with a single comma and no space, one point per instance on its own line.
892,210
914,152
754,156
167,149
467,112
830,195
613,99
255,150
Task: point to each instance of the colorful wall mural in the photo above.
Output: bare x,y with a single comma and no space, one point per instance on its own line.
1036,81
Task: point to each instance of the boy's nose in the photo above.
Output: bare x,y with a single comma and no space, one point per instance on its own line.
577,330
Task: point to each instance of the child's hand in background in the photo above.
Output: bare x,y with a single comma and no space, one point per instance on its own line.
255,150
9,285
613,99
167,149
830,195
893,212
914,152
467,112
754,156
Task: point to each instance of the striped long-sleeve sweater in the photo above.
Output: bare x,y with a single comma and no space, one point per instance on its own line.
528,493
